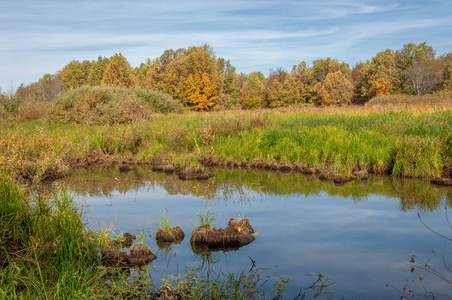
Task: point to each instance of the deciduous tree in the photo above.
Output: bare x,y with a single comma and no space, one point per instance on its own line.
75,74
336,89
200,92
118,72
97,71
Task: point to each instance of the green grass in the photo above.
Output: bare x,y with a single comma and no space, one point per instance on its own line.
46,252
165,221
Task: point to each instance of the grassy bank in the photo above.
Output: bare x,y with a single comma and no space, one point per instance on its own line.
410,140
45,250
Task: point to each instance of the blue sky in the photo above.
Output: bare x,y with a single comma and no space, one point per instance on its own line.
39,37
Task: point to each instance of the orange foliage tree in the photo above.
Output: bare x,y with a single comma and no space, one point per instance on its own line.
200,92
382,87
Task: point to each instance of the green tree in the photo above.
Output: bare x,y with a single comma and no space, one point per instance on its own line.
322,67
415,62
141,72
75,74
96,72
230,92
118,72
253,91
382,66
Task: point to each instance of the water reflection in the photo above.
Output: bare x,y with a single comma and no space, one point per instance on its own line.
357,234
413,194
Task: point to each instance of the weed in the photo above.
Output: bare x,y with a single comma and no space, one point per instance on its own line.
165,221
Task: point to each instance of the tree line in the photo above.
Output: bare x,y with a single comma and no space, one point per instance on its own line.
201,81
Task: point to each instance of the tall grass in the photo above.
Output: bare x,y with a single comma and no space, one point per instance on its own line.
411,142
46,253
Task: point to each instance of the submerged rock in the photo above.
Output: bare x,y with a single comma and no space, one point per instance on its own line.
113,258
440,181
237,234
124,169
139,255
193,174
361,175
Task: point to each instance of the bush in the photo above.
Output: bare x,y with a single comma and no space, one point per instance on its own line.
110,105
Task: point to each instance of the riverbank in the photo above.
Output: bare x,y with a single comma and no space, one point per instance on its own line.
342,144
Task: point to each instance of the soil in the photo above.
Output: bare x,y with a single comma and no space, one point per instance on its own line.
9,246
139,254
237,234
166,237
125,241
360,172
102,159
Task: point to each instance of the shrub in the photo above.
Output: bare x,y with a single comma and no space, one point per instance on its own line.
110,105
31,110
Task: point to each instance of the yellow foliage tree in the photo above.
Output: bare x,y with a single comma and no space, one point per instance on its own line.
200,92
276,95
170,72
244,95
382,87
118,72
253,91
336,89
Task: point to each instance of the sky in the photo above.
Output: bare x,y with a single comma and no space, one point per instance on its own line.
40,37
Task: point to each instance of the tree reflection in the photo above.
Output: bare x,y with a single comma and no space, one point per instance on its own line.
413,194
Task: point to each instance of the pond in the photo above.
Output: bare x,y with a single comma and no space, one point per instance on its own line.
361,235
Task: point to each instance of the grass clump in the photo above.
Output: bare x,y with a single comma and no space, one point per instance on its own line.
207,218
109,105
165,220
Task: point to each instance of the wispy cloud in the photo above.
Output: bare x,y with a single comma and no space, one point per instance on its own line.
254,35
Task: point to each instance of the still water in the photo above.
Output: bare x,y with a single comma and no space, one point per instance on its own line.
360,235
